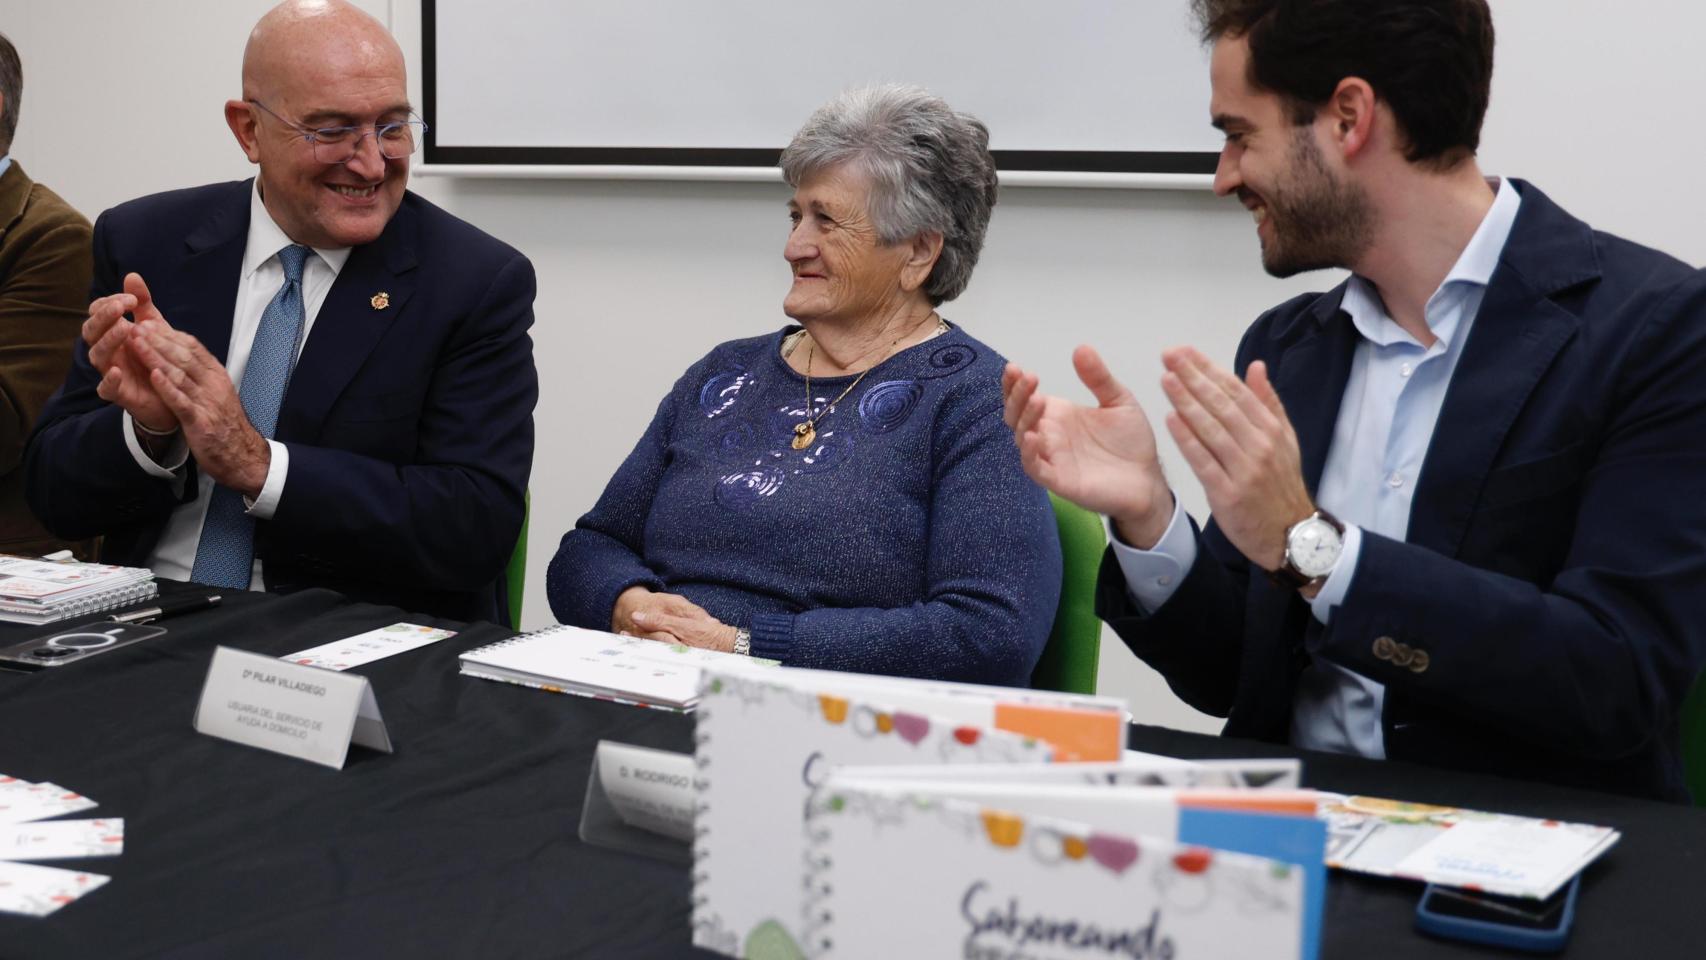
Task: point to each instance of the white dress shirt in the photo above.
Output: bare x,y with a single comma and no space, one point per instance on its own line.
1386,420
262,276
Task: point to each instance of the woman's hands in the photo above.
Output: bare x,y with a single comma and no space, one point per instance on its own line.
671,618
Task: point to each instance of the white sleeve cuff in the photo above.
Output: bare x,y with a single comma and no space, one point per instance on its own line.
265,505
176,456
1338,583
1153,575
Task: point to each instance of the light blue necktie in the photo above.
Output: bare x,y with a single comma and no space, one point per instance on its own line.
225,557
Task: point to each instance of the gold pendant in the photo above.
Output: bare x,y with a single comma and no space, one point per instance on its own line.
804,434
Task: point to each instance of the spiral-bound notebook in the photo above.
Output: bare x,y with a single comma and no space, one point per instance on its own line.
592,663
44,591
765,740
898,868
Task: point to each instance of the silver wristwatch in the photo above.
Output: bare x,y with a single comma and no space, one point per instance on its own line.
743,641
1312,549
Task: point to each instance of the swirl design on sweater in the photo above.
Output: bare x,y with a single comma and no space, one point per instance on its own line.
738,439
748,489
949,359
888,404
720,392
832,449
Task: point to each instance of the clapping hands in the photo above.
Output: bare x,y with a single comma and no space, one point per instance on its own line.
1234,434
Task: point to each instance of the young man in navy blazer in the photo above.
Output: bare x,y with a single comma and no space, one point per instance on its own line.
1457,511
314,378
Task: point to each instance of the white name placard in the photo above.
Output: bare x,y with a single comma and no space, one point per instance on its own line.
649,789
293,709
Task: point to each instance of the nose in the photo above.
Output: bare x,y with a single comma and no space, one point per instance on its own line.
1226,177
799,247
368,163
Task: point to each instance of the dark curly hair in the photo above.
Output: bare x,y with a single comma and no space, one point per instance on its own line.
1431,61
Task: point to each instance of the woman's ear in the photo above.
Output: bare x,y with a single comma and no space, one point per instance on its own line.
922,253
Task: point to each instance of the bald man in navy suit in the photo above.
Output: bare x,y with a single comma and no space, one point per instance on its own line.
313,378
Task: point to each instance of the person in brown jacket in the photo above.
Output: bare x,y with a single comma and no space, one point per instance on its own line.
45,267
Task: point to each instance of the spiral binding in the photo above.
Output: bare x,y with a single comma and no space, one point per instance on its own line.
817,930
554,628
707,927
115,597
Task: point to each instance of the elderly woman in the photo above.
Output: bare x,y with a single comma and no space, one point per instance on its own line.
843,493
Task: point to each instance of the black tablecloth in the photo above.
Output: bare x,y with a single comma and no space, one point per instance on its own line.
463,843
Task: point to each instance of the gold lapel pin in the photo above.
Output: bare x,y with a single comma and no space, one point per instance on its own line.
380,300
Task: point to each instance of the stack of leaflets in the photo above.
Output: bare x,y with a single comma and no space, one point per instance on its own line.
1491,852
27,834
37,591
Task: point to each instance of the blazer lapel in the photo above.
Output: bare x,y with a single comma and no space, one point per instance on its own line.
1310,379
14,196
371,293
207,282
1517,333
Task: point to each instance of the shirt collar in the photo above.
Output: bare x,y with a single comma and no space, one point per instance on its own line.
267,238
1473,269
5,164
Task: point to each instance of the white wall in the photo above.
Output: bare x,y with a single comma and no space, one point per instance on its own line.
637,279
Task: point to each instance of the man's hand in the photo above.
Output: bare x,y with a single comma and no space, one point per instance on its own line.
124,377
670,618
1239,442
198,392
1102,457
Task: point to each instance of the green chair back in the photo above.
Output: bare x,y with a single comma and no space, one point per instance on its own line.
515,573
1694,740
1070,660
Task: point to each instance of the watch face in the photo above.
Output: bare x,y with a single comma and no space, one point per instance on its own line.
1313,547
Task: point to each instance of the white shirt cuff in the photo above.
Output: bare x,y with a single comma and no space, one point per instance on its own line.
265,505
1338,583
1153,575
177,454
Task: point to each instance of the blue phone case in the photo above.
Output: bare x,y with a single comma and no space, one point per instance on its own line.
1497,934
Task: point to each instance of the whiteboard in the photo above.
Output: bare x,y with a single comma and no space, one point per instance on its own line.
1097,86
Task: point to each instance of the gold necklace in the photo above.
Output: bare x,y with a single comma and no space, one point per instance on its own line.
805,432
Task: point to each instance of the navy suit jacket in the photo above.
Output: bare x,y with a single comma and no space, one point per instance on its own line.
410,428
1547,612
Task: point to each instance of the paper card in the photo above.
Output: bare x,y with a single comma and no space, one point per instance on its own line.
1077,727
22,802
649,789
61,839
1279,824
896,874
765,740
1131,771
1498,853
37,891
296,710
368,647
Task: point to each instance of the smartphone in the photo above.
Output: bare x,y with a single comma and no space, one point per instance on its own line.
1517,923
74,644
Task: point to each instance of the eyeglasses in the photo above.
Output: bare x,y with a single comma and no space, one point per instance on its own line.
395,140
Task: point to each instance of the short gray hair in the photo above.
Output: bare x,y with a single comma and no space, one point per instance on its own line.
929,167
12,87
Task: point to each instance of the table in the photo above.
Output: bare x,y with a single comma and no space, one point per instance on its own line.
463,843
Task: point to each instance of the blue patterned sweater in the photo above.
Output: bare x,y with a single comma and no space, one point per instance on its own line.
907,540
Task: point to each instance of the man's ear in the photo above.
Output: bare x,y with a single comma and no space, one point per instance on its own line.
1350,112
240,117
922,253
